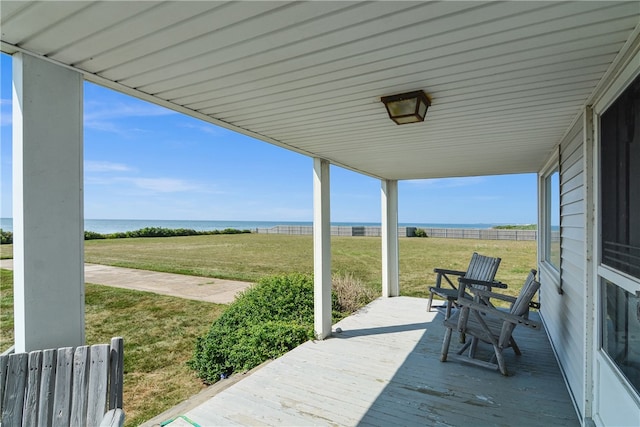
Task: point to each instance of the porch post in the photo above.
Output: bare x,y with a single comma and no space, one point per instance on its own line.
48,218
390,257
321,248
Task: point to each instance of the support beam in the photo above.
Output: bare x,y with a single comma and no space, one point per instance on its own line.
321,248
390,257
48,221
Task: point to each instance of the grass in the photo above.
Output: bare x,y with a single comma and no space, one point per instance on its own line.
158,342
162,337
251,257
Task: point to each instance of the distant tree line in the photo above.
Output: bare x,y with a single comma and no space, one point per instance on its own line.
6,237
516,227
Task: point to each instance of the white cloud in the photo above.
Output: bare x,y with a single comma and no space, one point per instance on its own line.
99,166
103,116
100,110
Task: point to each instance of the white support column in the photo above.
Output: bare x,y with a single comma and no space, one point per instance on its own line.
48,221
321,248
390,256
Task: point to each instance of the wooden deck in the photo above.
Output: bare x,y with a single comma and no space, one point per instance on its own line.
383,369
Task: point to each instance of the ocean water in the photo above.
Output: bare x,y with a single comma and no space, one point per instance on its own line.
105,226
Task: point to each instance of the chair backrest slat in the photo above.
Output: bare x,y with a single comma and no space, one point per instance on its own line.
47,387
117,371
520,307
529,289
482,267
80,385
62,393
14,388
30,415
98,383
4,362
61,387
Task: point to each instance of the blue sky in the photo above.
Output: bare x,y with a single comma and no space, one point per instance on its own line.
146,162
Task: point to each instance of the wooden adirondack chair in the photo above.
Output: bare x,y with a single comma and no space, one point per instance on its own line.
63,387
480,273
483,322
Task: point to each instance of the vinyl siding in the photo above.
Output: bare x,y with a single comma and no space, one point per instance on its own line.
564,313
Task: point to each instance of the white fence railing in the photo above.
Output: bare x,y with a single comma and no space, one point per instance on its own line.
373,231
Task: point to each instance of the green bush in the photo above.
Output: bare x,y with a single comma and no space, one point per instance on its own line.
516,227
264,322
420,233
92,235
6,237
160,232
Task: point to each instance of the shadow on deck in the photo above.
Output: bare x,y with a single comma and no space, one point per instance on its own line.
384,369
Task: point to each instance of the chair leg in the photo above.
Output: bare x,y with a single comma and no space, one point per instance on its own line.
430,302
449,307
464,347
445,345
515,347
473,347
501,365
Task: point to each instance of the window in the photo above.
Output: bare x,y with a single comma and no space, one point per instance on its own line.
552,219
620,182
620,232
621,330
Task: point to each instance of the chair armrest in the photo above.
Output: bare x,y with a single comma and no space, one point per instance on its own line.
508,298
489,294
490,284
113,418
452,272
491,311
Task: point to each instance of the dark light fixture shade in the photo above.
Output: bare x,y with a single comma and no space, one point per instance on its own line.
410,107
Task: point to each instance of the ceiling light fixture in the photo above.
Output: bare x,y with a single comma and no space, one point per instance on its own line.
408,107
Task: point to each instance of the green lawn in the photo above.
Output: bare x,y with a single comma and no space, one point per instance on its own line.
252,256
159,337
160,331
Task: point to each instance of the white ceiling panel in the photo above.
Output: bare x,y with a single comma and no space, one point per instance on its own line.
506,79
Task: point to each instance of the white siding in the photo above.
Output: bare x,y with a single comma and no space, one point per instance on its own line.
564,313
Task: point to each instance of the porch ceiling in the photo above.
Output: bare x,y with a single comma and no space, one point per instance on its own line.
506,79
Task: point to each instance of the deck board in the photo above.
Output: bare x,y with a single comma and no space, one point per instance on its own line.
384,369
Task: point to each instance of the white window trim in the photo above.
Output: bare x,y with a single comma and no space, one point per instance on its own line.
623,280
552,166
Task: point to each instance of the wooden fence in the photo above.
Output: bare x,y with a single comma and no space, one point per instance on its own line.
447,233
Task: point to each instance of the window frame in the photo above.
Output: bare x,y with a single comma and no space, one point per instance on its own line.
603,272
545,217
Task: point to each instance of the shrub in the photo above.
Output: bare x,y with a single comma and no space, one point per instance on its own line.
516,227
420,233
351,293
6,237
92,235
264,322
